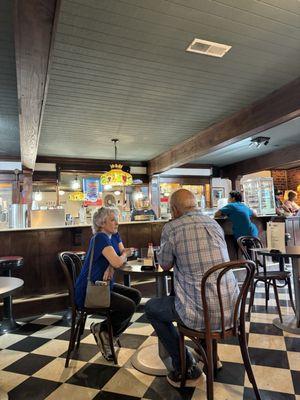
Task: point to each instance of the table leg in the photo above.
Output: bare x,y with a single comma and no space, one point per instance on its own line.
161,286
8,324
127,280
154,359
291,323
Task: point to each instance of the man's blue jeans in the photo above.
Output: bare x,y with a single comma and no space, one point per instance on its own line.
161,313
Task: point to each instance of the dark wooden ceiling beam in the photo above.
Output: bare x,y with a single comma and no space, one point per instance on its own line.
74,163
35,24
289,156
278,107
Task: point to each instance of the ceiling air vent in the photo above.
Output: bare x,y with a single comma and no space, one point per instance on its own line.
208,48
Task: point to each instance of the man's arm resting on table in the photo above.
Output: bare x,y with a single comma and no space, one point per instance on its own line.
165,255
218,214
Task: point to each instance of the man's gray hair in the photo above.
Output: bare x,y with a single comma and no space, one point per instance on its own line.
184,200
100,216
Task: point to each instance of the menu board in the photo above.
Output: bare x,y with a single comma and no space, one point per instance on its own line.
276,236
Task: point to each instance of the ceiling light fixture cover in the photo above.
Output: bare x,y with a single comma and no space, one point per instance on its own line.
258,141
116,176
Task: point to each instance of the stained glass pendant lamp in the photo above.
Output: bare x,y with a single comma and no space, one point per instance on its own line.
116,176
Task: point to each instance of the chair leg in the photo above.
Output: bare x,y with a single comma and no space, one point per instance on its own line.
72,340
247,363
215,355
252,293
119,343
267,288
70,346
277,299
80,330
209,371
111,339
288,281
182,359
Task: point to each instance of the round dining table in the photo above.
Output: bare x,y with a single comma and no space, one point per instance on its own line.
152,359
290,323
8,287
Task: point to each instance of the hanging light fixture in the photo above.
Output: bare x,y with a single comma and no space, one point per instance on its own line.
75,184
116,176
37,196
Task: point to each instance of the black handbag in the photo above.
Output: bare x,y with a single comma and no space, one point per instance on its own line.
98,293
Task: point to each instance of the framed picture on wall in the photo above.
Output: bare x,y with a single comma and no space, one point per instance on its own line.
216,194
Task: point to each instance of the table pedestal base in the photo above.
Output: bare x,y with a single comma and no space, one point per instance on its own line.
8,325
288,324
147,360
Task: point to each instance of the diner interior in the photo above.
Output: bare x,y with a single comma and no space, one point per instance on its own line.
120,103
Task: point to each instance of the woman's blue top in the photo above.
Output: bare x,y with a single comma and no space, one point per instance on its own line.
99,265
240,214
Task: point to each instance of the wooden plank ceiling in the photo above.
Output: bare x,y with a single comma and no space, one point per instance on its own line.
120,69
9,124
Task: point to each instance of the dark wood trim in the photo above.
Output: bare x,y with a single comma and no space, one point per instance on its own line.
185,180
278,107
7,157
195,166
7,177
45,176
286,156
86,163
35,24
292,165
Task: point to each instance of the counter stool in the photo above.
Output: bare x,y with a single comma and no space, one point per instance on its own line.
7,265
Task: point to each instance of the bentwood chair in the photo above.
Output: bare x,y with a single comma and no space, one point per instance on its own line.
71,265
269,278
206,340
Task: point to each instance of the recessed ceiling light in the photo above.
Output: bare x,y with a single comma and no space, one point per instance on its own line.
208,48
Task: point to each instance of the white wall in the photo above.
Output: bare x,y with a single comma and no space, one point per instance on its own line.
224,183
260,174
71,207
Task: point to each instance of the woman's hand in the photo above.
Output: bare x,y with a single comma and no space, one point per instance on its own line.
109,273
128,251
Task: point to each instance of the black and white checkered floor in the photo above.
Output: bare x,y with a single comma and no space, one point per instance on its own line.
32,363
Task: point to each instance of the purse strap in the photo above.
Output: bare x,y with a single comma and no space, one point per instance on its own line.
91,259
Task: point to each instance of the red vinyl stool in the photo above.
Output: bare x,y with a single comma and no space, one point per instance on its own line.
7,265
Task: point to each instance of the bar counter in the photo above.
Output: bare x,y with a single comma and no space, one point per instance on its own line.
39,247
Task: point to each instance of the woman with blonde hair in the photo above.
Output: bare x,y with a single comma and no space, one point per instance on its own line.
109,254
291,204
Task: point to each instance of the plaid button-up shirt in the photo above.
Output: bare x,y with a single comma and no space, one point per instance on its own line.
193,244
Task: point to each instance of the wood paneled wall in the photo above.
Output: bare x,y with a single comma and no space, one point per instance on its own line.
42,273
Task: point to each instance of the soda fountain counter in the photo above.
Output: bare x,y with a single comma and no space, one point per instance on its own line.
42,273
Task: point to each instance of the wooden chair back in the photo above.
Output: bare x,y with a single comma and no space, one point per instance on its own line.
246,243
71,265
239,307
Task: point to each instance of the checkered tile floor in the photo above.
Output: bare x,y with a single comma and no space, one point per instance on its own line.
32,363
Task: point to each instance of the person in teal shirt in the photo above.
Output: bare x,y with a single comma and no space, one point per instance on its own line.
240,216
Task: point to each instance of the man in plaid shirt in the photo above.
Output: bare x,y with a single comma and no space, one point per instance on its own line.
191,243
